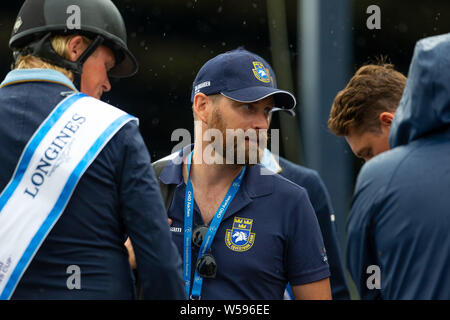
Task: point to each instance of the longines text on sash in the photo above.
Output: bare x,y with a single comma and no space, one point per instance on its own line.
52,153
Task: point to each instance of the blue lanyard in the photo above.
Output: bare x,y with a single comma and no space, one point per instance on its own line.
207,241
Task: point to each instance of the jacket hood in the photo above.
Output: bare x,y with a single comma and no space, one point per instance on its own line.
425,104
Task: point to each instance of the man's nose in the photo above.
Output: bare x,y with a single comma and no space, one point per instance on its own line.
261,121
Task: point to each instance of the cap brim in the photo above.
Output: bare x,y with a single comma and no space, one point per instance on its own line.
283,99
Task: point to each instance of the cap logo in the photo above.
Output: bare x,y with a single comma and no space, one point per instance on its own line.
17,24
261,73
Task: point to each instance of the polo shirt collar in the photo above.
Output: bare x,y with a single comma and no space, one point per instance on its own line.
173,171
268,160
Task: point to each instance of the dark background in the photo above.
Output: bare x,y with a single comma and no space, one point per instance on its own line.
172,39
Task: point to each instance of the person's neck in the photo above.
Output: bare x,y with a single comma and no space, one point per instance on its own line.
205,176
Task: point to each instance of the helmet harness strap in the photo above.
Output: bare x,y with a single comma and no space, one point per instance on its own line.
43,49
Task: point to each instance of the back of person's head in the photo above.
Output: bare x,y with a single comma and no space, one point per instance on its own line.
375,88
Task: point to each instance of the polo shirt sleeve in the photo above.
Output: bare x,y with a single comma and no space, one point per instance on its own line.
306,255
145,220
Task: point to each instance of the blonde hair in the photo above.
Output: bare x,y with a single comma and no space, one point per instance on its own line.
60,44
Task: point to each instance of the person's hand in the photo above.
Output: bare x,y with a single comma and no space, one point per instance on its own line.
129,246
131,256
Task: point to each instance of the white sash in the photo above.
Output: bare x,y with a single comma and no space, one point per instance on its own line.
47,173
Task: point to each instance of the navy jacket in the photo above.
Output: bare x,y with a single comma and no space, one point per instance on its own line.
400,219
321,202
118,195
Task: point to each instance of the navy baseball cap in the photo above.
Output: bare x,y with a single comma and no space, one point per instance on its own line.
241,76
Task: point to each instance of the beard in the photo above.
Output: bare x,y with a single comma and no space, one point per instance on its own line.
235,146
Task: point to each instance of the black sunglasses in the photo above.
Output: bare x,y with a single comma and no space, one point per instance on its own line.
206,266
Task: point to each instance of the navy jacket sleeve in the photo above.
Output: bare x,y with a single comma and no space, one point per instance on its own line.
321,202
144,215
361,249
305,240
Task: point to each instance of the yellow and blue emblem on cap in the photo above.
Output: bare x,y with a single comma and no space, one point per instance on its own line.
261,73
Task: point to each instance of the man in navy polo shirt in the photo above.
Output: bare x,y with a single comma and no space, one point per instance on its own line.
243,232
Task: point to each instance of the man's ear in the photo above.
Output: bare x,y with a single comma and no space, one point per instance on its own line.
201,102
386,118
75,48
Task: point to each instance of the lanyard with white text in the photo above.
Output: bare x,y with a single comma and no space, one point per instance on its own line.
207,241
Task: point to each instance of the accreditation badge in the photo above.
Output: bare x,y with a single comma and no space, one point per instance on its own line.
240,238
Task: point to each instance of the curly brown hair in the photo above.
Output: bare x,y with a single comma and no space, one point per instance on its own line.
375,88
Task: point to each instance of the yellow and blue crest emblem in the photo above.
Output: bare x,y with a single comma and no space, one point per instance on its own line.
261,73
240,238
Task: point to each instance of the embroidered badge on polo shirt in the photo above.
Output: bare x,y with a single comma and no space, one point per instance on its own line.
240,238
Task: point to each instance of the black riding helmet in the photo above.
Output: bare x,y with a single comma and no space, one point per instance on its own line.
100,20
